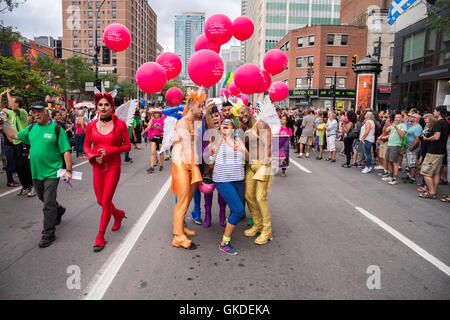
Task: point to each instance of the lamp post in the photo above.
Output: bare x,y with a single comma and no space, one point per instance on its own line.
97,47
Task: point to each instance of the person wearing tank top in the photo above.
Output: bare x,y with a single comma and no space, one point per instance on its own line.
228,176
367,138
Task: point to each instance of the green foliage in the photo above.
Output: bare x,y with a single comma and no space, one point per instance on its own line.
126,91
29,83
437,19
10,5
78,72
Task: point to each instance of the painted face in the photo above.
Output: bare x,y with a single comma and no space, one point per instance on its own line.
104,108
216,120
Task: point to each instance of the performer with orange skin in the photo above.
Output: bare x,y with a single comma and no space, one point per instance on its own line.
185,171
109,137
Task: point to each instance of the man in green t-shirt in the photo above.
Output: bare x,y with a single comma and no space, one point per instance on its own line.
47,145
397,133
17,152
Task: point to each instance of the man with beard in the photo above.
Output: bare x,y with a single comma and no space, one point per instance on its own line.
258,136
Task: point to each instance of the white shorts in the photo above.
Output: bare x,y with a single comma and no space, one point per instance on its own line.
331,143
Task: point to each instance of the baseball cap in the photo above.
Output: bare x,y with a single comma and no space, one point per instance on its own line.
38,105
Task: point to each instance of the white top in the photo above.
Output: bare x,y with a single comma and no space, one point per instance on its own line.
229,165
371,136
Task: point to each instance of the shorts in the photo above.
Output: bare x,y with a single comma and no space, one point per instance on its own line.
357,145
331,143
383,150
392,154
157,139
432,164
306,140
411,157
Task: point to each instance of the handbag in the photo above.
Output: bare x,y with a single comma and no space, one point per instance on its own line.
354,133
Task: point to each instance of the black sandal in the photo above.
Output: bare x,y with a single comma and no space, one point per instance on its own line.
427,195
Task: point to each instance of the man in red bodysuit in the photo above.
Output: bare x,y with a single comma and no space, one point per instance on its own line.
109,137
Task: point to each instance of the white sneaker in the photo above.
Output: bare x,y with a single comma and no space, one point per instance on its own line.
378,167
393,182
367,170
387,179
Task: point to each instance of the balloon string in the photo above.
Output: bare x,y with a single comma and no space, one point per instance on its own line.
199,91
67,186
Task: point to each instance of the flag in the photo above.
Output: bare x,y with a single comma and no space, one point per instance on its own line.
397,8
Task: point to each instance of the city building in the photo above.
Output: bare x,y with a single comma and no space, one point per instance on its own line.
421,70
45,41
81,24
231,58
329,50
244,12
274,19
188,27
373,14
27,49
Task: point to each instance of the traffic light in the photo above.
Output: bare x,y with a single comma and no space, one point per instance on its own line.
106,55
354,60
58,49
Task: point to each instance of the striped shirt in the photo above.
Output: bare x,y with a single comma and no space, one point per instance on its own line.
229,165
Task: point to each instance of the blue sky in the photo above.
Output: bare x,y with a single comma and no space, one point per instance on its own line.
44,17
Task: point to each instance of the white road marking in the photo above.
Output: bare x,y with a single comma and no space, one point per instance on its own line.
417,249
104,277
19,188
299,166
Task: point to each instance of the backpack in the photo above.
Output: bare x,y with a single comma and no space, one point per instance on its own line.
57,132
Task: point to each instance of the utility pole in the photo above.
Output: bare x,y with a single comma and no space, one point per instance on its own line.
97,49
376,76
334,93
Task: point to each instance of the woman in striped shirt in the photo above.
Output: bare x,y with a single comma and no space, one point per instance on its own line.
229,154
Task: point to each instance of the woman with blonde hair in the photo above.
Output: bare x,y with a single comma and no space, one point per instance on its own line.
367,138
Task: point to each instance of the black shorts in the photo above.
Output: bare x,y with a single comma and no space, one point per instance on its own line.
158,140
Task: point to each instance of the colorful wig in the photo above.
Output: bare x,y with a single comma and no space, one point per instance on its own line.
194,96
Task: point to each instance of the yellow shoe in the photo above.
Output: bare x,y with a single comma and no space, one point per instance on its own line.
183,242
253,231
263,238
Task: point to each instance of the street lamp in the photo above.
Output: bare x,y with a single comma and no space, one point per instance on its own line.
97,47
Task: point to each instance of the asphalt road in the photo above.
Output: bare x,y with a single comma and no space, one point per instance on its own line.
335,231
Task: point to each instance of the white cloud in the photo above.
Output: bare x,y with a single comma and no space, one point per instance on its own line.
44,17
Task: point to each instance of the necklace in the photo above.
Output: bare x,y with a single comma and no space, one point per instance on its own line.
107,119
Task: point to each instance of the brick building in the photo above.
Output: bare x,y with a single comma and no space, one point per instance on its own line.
330,50
80,24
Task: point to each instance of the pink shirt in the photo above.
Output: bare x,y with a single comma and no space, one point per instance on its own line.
79,129
154,131
285,132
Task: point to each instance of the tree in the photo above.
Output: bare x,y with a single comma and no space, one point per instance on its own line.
10,5
78,72
438,16
126,91
56,71
29,83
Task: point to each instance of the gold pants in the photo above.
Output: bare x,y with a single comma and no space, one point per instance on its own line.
185,179
256,187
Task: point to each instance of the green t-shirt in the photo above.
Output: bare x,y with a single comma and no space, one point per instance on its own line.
394,139
45,155
18,121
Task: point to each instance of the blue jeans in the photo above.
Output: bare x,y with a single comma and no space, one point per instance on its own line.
79,143
233,194
368,153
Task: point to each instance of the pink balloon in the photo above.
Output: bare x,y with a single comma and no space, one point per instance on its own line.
174,96
170,62
278,91
248,78
219,29
243,98
275,61
225,93
151,77
202,42
205,68
266,83
117,37
234,90
243,28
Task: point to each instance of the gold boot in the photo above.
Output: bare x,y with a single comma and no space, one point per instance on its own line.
189,233
181,241
263,238
253,231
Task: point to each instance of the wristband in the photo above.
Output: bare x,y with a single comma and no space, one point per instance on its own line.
70,171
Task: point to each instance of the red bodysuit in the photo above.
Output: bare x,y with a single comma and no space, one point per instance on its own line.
106,175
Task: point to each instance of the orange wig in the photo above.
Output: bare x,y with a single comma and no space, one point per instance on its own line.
198,96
